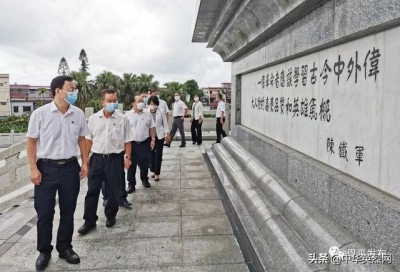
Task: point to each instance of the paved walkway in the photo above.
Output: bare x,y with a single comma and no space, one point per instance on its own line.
179,224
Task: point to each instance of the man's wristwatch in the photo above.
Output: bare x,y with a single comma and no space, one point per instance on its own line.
126,157
153,139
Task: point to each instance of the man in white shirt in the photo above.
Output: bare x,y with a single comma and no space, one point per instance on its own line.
109,136
179,111
220,118
163,105
56,137
144,137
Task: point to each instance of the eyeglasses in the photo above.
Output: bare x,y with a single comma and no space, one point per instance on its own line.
71,90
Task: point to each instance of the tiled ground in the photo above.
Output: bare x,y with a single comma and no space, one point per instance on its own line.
179,224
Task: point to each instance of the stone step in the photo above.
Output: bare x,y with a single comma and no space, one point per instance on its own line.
283,216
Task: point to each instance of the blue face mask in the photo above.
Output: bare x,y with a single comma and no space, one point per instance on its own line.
71,98
145,100
111,107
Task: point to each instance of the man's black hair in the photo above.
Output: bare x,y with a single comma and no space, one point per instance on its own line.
106,91
220,96
58,83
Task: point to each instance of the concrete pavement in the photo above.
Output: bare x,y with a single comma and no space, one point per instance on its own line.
179,224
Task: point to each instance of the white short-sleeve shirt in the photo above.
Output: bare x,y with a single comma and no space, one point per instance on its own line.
109,135
220,108
140,124
179,108
163,106
57,133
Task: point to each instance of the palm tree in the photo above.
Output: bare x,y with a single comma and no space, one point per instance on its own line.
169,94
146,83
128,88
85,88
107,79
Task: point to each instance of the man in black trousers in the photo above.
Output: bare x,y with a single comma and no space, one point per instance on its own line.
109,135
56,137
144,140
220,118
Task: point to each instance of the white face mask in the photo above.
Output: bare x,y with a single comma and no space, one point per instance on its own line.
140,106
196,99
153,107
177,97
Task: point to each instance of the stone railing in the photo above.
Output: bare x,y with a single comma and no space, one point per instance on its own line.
15,185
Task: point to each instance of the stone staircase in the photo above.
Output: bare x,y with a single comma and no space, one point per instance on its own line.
287,231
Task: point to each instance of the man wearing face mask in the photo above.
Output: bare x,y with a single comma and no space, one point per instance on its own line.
179,112
56,137
109,136
144,136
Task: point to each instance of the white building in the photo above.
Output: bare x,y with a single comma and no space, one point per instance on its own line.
4,95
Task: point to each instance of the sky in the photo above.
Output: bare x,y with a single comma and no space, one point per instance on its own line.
123,36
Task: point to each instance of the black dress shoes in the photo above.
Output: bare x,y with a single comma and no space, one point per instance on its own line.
42,261
125,203
110,223
70,256
85,229
131,189
182,145
146,184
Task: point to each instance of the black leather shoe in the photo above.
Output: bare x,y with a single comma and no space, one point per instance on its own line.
70,256
167,145
42,261
182,145
193,142
85,229
125,203
110,223
198,143
146,184
131,189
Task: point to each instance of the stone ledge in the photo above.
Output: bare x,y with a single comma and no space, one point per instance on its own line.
371,215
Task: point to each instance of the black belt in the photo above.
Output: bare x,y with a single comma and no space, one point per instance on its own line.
142,142
108,155
58,162
177,116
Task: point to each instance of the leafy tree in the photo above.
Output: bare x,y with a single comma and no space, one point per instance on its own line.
63,68
146,83
106,79
84,61
129,87
84,86
192,88
169,94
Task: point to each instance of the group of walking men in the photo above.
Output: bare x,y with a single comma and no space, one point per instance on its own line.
58,134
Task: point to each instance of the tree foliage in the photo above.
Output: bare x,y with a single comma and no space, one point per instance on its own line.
84,61
63,68
84,86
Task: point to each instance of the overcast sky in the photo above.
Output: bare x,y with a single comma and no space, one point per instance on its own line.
136,36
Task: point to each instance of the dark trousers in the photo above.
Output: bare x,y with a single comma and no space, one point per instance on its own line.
196,132
123,191
156,156
220,130
107,169
64,179
178,123
140,156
